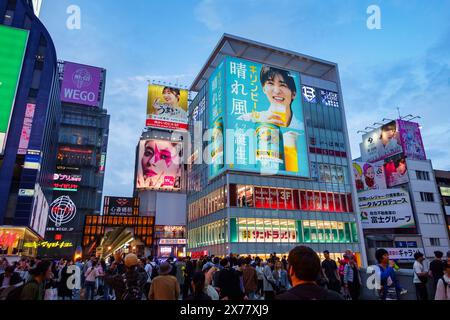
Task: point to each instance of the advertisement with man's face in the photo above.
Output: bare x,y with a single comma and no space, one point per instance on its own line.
13,43
167,107
411,140
159,165
81,84
264,111
381,143
396,172
369,176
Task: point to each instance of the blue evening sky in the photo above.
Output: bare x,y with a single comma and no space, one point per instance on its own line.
406,64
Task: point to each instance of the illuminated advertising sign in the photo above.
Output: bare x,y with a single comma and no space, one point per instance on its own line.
172,242
385,209
102,162
13,43
262,106
198,254
411,140
396,172
170,232
66,182
445,191
328,173
369,176
167,107
39,214
48,244
26,128
329,98
81,84
381,143
62,211
259,230
32,160
159,165
402,253
309,94
8,239
114,206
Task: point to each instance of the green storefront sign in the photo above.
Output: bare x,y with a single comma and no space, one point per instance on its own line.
13,43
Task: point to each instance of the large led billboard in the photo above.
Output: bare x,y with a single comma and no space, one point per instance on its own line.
256,120
81,84
167,107
13,43
385,209
159,165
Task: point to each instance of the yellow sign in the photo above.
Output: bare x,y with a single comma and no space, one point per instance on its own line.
48,245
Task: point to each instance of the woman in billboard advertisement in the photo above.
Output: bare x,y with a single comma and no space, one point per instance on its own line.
170,105
159,165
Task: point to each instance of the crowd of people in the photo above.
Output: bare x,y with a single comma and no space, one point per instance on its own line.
300,276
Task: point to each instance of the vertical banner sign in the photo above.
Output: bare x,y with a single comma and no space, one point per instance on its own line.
411,140
13,43
26,129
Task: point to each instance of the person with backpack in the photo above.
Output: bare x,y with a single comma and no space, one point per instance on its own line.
129,285
34,289
304,268
149,268
165,286
229,282
443,285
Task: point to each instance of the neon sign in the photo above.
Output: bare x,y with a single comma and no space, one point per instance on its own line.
7,239
48,244
62,211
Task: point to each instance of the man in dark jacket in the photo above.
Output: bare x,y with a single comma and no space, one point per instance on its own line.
229,282
304,269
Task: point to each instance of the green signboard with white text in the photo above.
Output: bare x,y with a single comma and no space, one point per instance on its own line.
13,43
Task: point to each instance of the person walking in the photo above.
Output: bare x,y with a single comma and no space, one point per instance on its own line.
304,269
91,275
269,283
228,282
443,285
352,278
330,270
164,286
420,277
437,267
250,279
281,277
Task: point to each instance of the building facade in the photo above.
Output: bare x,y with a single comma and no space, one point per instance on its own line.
443,182
29,138
82,149
399,199
299,194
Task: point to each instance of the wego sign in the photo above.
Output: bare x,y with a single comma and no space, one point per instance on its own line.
62,211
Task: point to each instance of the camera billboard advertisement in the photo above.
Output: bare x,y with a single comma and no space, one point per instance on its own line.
262,115
167,107
385,209
381,143
369,176
159,165
81,84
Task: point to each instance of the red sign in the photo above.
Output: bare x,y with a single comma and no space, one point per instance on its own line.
199,254
166,124
7,239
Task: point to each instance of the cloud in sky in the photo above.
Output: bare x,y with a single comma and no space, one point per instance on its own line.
207,12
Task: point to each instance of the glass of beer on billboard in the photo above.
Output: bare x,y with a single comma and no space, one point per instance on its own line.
290,151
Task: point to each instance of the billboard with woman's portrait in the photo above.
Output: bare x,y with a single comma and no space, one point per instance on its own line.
381,143
167,107
159,165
